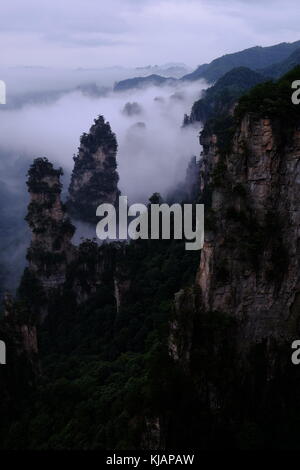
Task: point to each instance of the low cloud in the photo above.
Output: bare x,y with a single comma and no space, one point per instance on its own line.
153,151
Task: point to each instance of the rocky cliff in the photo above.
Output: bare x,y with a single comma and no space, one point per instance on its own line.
250,262
50,249
232,333
250,175
94,179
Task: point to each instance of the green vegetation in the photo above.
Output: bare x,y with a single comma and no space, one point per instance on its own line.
266,100
40,169
219,99
224,129
100,134
94,180
272,100
102,370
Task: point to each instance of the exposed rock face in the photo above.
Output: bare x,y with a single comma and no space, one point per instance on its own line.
94,179
50,248
231,335
250,261
54,262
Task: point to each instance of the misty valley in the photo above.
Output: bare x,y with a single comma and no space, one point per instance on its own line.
149,238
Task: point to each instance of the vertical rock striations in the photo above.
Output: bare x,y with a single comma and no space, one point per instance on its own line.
50,248
94,179
234,337
250,261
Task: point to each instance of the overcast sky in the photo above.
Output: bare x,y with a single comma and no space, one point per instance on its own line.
96,33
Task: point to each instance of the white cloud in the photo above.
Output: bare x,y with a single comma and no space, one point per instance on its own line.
135,32
151,158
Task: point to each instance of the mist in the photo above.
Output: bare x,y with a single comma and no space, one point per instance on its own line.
153,149
29,84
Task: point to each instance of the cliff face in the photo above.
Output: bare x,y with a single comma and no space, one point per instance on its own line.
94,178
250,261
55,264
232,333
50,249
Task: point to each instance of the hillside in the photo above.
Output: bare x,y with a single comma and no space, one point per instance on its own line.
281,68
254,58
221,97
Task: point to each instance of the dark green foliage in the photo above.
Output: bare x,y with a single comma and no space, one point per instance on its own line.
223,128
40,169
272,100
266,100
94,181
101,133
220,98
103,370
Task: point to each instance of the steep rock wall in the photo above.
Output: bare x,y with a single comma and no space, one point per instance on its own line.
250,261
94,179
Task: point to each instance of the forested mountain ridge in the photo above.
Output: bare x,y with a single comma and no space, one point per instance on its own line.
254,58
221,98
271,61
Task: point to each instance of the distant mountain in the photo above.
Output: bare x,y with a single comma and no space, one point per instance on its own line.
221,97
141,82
254,58
167,70
279,69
